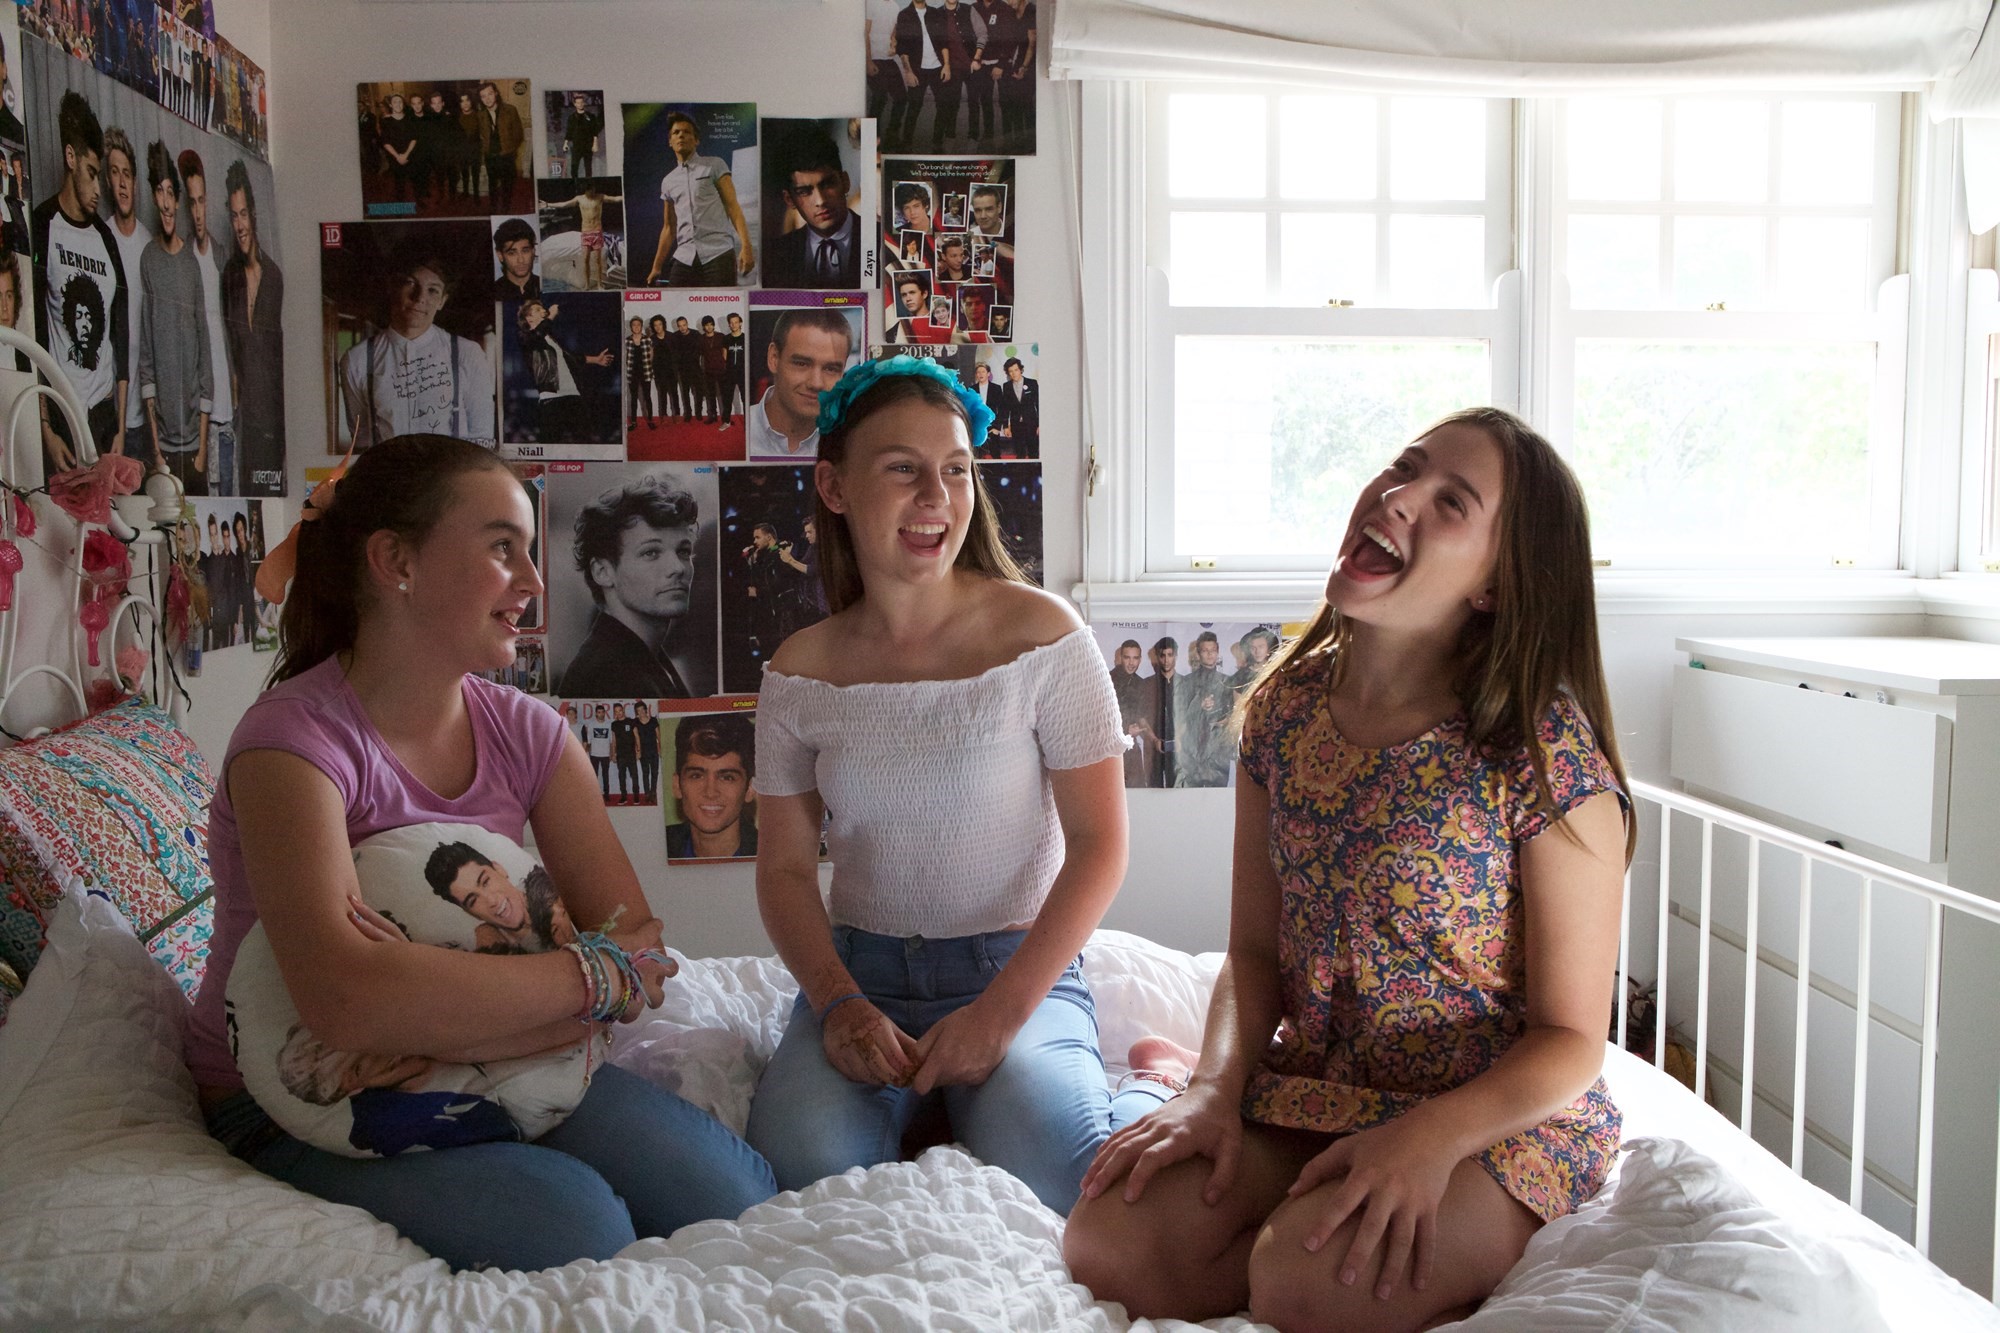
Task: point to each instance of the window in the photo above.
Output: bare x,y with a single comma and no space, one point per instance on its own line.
1694,297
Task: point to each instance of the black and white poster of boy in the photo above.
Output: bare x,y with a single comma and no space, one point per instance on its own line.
410,320
229,542
583,233
691,190
1003,375
770,567
631,572
535,483
917,189
187,71
438,148
127,46
1016,492
241,100
560,378
819,203
678,405
709,806
219,197
578,139
801,343
958,77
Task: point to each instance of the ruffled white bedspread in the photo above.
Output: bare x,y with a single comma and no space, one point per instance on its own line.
117,1210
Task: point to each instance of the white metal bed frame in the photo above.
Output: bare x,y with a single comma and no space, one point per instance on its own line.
1937,899
135,612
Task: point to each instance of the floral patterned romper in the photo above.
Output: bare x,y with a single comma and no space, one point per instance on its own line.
1402,953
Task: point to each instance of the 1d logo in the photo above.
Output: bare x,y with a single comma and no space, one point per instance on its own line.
329,235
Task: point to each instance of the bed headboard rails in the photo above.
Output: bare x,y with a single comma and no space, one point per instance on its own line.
135,521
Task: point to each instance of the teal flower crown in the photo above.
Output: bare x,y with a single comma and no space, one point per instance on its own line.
833,403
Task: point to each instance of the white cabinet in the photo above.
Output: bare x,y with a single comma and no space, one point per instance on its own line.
1890,747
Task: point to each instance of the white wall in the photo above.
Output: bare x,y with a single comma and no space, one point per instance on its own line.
792,57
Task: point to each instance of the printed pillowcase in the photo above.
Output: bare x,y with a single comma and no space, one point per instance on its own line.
450,886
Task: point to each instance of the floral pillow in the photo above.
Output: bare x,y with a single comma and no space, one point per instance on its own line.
115,805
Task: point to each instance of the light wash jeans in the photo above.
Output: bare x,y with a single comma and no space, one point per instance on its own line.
222,479
1041,1115
632,1160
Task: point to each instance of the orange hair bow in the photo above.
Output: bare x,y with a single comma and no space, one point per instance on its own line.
281,562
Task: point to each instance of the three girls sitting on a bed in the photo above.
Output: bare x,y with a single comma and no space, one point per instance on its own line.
1421,1110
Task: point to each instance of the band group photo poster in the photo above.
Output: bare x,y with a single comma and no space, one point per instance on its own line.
445,148
1003,376
149,269
956,77
684,354
691,187
770,567
948,246
1178,684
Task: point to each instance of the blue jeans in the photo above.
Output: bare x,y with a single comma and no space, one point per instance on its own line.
632,1160
222,478
1040,1115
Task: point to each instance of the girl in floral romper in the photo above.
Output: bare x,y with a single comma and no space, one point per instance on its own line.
1399,1084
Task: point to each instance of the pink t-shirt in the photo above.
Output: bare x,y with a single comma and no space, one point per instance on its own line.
316,716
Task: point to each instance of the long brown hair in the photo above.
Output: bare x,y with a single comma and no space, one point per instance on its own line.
1540,639
985,549
402,485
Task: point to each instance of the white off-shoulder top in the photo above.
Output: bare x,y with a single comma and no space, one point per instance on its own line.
940,818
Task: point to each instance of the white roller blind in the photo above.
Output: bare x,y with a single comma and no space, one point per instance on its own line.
1522,47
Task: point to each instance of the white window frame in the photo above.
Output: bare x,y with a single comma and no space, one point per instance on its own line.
1119,477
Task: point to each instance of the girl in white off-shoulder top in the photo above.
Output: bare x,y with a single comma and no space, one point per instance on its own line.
954,730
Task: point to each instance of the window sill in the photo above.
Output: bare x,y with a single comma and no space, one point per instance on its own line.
1290,597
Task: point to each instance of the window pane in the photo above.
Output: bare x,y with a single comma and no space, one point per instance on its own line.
1826,153
1215,146
1614,148
1718,259
1274,438
1822,264
1216,258
1327,257
1437,148
1722,151
1736,453
1614,262
1326,147
1438,262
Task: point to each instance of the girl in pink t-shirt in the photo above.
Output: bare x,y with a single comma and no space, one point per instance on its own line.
413,574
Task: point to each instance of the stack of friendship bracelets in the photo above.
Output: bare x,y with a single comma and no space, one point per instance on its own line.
601,961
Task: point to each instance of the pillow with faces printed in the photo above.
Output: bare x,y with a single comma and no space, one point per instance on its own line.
445,886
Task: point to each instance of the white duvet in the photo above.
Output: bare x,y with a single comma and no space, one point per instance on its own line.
116,1209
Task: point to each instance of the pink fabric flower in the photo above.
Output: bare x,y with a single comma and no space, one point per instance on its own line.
108,565
85,492
103,693
132,662
24,517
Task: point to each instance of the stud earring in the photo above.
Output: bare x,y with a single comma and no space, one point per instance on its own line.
403,587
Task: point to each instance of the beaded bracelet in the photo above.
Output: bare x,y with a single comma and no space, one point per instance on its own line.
602,958
837,1001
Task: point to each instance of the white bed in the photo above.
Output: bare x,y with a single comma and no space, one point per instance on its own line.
117,1210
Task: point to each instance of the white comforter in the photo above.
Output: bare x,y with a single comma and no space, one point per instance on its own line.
116,1208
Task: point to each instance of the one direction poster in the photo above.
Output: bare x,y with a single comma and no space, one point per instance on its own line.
437,148
972,92
187,71
819,203
622,739
242,102
577,138
691,192
631,572
205,256
950,227
582,224
708,801
1016,492
684,353
801,343
770,567
410,323
1177,685
561,377
227,536
1002,375
126,43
